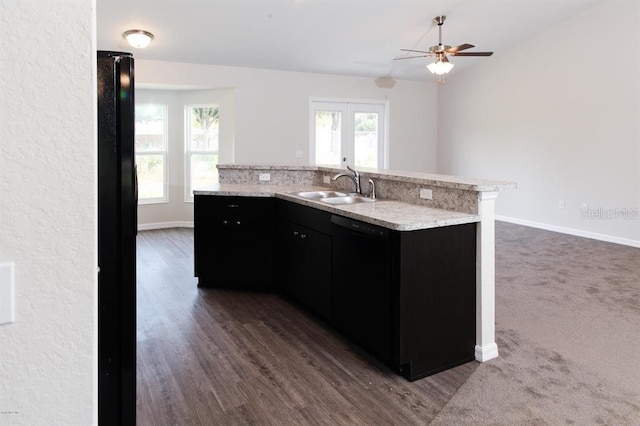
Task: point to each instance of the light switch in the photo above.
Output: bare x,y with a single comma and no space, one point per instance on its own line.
7,304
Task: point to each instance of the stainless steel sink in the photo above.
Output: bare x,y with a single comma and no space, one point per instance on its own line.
334,197
348,199
320,194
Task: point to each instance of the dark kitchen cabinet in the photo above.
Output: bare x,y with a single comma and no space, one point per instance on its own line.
306,273
233,241
433,273
303,265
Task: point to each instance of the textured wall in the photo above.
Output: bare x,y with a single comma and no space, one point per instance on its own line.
47,210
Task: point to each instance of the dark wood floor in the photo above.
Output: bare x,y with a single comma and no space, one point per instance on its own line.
218,357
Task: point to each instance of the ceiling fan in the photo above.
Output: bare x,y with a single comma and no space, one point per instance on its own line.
442,65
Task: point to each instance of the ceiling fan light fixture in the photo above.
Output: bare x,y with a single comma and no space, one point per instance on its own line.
440,67
138,38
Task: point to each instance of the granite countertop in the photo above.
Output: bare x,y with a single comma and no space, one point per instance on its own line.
445,181
390,214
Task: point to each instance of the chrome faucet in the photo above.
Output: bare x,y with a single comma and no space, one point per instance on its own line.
354,176
372,194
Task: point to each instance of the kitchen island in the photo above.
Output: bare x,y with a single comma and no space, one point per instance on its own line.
438,234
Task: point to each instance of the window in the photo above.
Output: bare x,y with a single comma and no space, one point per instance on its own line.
328,134
151,153
202,144
348,133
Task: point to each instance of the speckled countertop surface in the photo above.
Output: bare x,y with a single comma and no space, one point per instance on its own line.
445,181
390,214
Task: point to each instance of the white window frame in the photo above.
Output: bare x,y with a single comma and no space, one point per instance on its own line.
188,152
348,108
165,158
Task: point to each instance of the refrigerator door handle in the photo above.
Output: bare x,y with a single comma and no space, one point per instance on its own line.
135,185
135,196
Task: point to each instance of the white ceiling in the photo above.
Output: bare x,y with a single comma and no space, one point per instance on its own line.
348,37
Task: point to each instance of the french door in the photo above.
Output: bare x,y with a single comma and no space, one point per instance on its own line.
348,133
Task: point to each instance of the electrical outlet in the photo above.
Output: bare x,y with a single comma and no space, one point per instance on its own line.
426,193
298,153
326,179
264,177
561,204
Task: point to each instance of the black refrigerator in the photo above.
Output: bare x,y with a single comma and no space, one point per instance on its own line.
117,228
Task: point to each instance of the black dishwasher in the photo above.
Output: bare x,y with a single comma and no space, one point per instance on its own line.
361,290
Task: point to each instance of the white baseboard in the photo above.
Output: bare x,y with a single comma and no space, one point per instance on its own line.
164,225
571,231
487,352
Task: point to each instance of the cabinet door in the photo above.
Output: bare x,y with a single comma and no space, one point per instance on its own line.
242,251
234,242
305,268
436,298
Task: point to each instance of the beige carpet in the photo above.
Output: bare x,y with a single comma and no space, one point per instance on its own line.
568,331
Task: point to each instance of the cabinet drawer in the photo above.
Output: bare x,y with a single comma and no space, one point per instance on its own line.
230,205
311,218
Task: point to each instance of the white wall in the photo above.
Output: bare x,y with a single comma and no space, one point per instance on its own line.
176,212
550,116
269,112
272,109
48,211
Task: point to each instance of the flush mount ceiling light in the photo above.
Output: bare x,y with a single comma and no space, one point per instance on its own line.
385,82
138,38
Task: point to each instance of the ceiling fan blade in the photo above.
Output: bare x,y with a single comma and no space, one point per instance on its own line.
411,50
410,57
474,54
455,49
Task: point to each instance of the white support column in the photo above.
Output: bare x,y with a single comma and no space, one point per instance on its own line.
486,347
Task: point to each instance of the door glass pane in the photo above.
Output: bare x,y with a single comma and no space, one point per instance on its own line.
203,170
150,176
366,139
328,137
